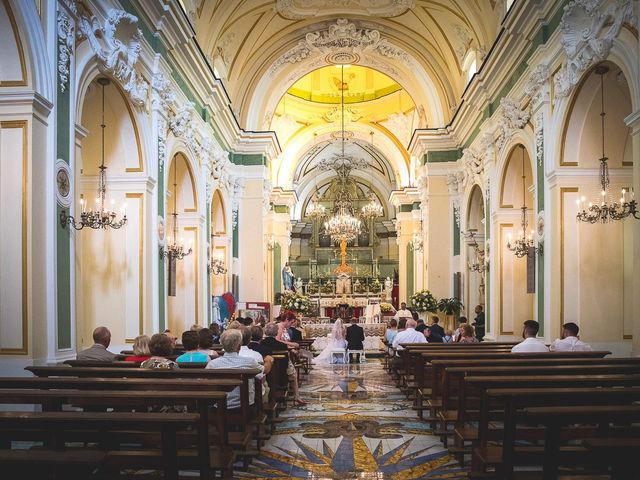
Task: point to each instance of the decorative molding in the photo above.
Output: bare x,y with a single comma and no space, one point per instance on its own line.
537,86
340,38
588,28
162,145
301,9
64,183
162,94
66,41
422,183
181,121
117,47
539,137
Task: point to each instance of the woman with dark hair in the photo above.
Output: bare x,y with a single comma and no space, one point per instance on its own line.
216,331
161,347
191,342
205,342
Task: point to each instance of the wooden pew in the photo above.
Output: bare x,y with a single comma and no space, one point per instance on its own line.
53,400
240,440
520,398
56,425
555,418
493,409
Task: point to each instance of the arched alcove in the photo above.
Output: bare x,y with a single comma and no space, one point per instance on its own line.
596,261
219,243
475,224
182,225
110,263
515,304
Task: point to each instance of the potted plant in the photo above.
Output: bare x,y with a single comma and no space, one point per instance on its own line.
450,308
423,301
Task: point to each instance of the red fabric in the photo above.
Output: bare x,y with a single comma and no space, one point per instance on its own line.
140,359
395,293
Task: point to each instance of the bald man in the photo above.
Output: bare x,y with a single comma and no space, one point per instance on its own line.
98,351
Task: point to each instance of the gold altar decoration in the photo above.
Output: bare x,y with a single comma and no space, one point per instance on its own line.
343,268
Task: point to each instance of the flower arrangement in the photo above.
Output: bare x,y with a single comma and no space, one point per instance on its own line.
424,301
450,306
387,308
295,302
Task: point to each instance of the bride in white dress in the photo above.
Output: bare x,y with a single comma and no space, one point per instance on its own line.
337,341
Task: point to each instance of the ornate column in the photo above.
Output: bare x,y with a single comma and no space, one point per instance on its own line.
278,236
406,201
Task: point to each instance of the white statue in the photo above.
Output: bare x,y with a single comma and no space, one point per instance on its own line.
287,277
298,285
388,287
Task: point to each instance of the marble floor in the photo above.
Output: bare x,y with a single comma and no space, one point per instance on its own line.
356,425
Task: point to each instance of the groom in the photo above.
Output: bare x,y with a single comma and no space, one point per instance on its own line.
355,337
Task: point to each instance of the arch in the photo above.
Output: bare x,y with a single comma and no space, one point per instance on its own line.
510,193
183,308
218,216
474,220
219,242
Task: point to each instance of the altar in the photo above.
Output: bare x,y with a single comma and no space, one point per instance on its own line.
373,333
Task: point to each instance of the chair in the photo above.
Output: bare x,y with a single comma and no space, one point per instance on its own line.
337,353
360,353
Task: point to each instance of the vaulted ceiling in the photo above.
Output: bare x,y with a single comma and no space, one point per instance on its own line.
260,48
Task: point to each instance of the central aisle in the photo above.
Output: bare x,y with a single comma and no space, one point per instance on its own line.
357,424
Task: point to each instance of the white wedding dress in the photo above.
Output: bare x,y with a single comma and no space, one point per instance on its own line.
337,341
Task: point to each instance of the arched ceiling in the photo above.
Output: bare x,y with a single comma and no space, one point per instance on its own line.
260,48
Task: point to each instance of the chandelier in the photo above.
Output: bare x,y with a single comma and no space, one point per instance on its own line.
523,244
343,227
100,218
175,249
216,267
606,211
315,210
479,265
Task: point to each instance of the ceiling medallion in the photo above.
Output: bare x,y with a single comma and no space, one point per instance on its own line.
342,58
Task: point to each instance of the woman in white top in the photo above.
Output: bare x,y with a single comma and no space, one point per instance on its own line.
336,342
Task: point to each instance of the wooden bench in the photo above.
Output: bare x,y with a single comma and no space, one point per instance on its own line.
198,401
56,425
554,419
48,464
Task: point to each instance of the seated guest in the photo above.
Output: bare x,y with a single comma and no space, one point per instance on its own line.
195,327
271,331
408,336
174,340
448,338
255,345
191,342
215,329
266,362
569,341
468,335
421,326
430,336
205,342
457,334
231,341
402,324
295,333
392,331
98,351
246,321
141,350
530,342
161,347
436,329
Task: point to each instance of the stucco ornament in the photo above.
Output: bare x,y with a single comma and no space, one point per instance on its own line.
301,9
510,119
162,94
116,45
182,120
66,40
455,188
341,38
539,127
422,183
537,86
588,28
162,145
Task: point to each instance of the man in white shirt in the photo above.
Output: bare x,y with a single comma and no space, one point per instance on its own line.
410,335
231,341
403,312
569,341
530,344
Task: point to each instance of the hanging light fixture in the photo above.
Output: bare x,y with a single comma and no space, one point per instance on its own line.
100,218
175,249
524,244
216,267
605,211
372,209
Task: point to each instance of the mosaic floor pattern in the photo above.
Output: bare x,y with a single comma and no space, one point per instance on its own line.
356,425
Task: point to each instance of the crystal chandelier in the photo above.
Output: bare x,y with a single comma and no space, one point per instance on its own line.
606,211
479,265
100,218
372,208
315,210
523,244
175,249
343,227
